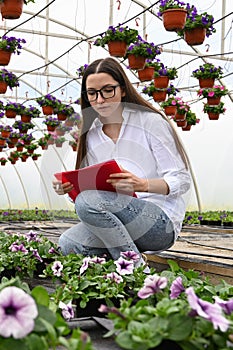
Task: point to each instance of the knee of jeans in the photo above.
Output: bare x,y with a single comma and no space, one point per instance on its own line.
65,245
84,201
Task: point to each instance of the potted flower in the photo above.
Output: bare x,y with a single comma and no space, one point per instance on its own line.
173,13
206,74
139,51
9,45
7,79
213,94
59,141
167,300
162,75
73,119
48,102
63,111
169,105
118,39
80,71
12,9
191,119
35,156
73,144
51,122
23,127
27,138
27,113
14,136
3,161
43,141
214,111
197,27
181,110
62,129
19,145
31,148
158,95
5,130
147,73
12,109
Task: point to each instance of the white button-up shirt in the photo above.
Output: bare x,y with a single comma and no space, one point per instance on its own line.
145,147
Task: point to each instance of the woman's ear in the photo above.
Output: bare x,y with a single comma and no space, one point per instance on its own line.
122,91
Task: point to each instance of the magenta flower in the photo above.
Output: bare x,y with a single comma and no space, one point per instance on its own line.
226,305
32,236
211,94
15,247
115,277
67,310
124,267
176,288
17,313
211,312
130,254
36,254
98,260
152,285
85,264
57,268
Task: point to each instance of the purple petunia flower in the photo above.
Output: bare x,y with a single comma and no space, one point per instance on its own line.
57,268
115,277
211,312
226,305
85,264
17,313
67,310
130,254
124,267
98,260
15,247
176,288
152,285
36,255
32,236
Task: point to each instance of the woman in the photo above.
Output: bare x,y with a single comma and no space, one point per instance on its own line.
118,123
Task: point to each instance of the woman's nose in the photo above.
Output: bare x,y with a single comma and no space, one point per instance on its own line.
99,99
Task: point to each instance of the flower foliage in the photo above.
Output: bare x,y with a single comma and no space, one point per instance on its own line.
143,48
9,78
161,70
171,299
215,91
170,4
218,109
171,101
208,70
11,44
53,121
195,20
48,100
81,70
191,118
31,111
118,33
28,320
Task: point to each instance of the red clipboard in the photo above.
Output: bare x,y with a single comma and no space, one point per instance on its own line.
92,177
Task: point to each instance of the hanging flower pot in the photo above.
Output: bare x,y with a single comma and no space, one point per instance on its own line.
195,36
174,19
146,74
11,9
3,87
61,116
5,57
213,116
47,110
25,118
51,128
136,62
180,116
206,82
187,127
2,141
5,133
117,48
159,96
10,113
161,82
170,110
213,101
181,123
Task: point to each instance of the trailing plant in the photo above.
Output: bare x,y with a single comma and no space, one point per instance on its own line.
208,70
143,48
215,91
11,44
9,78
170,4
191,118
48,100
53,121
218,109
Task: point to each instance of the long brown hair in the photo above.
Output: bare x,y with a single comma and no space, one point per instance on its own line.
112,67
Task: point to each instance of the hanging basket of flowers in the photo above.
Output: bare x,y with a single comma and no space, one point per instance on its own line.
48,103
12,9
158,95
206,74
139,52
12,109
9,45
191,119
213,94
63,111
162,74
118,39
173,13
7,79
197,27
214,111
51,123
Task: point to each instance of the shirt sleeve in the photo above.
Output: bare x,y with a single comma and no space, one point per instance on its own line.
169,162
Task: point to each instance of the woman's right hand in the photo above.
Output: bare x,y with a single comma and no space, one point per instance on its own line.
62,188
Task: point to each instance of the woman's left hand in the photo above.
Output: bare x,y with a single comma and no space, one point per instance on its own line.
128,182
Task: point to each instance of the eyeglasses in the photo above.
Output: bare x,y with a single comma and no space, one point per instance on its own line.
106,92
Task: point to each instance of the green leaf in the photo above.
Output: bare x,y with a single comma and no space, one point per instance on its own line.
180,327
41,295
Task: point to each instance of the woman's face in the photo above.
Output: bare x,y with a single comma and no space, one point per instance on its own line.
107,101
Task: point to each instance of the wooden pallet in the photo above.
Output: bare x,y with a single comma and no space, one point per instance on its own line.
201,248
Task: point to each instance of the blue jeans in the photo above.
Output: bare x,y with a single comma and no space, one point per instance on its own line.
111,223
